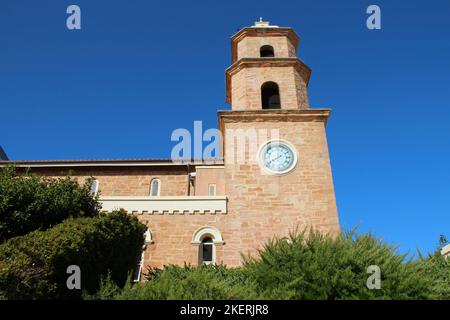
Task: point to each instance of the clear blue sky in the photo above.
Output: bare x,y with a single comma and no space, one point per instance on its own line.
140,69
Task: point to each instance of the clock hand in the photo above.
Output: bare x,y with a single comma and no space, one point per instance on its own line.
275,159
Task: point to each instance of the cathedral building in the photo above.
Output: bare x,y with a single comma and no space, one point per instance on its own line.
273,174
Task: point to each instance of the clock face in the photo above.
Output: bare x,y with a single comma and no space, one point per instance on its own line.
278,157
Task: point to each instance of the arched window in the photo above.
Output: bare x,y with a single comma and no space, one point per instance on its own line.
207,238
138,268
155,186
148,238
207,251
270,96
266,51
94,188
212,188
137,272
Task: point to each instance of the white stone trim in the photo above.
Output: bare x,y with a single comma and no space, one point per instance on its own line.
201,232
166,205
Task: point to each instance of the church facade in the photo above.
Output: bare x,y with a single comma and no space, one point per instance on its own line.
273,175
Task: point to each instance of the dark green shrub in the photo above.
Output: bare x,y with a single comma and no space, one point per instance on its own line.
186,283
300,267
34,266
319,267
108,290
29,202
437,269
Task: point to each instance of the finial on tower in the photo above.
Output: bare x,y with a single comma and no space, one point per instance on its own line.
263,24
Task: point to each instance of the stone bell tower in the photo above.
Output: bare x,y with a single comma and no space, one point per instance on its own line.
285,181
265,71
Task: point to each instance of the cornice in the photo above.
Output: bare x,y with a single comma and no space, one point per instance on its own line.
279,115
243,63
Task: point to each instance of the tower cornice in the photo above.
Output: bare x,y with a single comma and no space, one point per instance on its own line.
299,65
278,115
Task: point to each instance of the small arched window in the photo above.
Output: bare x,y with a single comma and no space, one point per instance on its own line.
270,96
94,188
212,189
148,238
207,238
266,51
138,268
137,272
207,251
155,187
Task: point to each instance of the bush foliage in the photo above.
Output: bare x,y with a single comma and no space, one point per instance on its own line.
30,202
206,282
319,267
437,269
34,266
299,267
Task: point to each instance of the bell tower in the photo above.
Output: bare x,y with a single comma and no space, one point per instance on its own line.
277,182
265,71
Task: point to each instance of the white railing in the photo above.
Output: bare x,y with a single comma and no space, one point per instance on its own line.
166,205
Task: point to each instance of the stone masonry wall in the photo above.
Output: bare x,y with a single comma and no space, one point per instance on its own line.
128,181
249,47
246,88
263,206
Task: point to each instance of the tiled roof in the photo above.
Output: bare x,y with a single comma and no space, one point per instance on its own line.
125,161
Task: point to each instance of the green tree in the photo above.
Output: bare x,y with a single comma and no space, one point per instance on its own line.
29,202
437,269
321,267
34,266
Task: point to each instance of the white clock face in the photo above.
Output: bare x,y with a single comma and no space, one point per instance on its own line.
278,157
